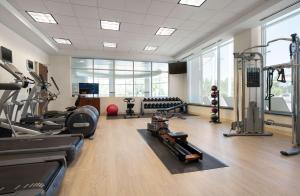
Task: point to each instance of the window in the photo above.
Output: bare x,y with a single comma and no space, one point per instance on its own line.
160,79
121,78
277,53
209,74
142,79
82,72
213,66
226,78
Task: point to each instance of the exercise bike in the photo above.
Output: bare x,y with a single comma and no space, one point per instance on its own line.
129,111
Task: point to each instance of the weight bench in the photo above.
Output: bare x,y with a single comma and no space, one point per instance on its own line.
171,112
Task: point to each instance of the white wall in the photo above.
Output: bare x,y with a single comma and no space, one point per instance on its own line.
22,51
178,86
60,70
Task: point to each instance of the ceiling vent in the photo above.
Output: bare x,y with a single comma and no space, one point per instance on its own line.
278,11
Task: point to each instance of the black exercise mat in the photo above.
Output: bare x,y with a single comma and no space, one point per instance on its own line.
141,116
174,165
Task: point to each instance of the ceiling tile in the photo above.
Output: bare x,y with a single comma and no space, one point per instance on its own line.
173,22
148,30
160,8
223,17
32,5
110,15
93,3
190,25
70,29
85,11
216,4
183,12
66,20
203,14
52,30
137,6
181,33
238,6
171,1
59,8
132,17
90,23
128,27
154,20
91,32
112,4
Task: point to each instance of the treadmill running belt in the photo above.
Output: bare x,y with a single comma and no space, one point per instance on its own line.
28,176
30,143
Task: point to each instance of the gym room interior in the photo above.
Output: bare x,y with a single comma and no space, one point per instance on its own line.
149,97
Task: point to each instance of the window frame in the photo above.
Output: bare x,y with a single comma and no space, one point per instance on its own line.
264,50
216,47
112,87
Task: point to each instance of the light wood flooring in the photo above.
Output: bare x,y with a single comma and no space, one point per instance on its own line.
118,162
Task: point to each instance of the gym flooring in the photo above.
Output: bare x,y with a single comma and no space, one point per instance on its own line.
118,162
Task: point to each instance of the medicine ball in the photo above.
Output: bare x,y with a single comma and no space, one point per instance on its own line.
214,102
214,88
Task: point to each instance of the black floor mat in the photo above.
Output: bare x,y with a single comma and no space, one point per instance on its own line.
141,116
171,162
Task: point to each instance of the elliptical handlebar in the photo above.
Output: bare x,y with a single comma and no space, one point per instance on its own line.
20,79
56,86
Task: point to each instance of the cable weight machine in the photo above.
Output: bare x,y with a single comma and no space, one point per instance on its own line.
250,96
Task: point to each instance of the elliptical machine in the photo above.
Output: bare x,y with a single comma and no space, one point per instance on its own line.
129,111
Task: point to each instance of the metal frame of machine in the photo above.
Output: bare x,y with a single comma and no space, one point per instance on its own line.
238,125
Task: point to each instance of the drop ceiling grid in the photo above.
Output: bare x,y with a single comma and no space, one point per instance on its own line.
79,21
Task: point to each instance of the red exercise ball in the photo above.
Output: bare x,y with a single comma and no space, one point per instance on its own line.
112,110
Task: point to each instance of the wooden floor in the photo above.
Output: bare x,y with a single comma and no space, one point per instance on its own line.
118,162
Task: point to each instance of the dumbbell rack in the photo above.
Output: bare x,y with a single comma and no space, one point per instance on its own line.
153,103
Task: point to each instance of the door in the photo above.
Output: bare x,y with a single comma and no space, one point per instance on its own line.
43,73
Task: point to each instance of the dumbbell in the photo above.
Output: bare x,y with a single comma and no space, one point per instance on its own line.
164,105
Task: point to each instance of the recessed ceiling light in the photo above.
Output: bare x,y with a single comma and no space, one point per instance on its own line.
165,31
62,41
196,3
110,25
109,44
41,17
150,48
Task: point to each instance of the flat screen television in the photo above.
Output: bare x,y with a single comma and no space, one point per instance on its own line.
88,88
30,65
177,68
6,54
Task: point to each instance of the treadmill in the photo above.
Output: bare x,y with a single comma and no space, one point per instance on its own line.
32,176
69,145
